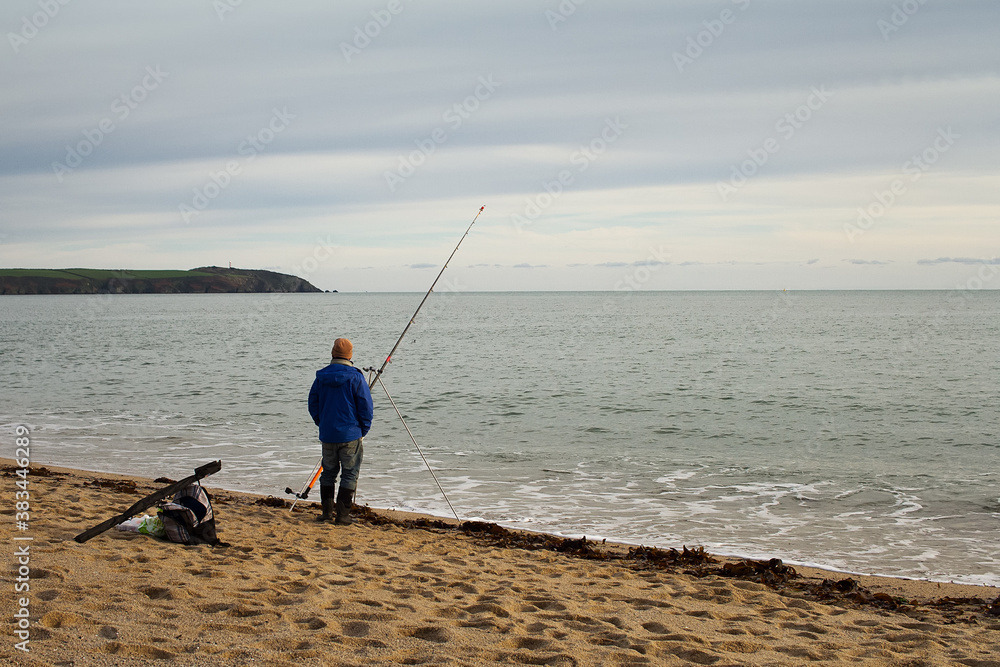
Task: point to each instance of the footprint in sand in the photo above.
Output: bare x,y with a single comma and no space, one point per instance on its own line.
668,635
488,608
355,629
450,612
806,653
429,569
922,627
59,619
698,657
156,593
531,643
619,639
464,587
48,573
240,611
490,625
139,651
228,627
811,628
200,571
546,604
912,638
295,588
429,633
313,623
285,600
645,604
778,612
374,618
800,604
739,646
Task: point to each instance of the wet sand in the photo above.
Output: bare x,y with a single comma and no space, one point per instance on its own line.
290,591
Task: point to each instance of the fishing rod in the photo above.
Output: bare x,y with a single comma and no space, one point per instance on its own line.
307,487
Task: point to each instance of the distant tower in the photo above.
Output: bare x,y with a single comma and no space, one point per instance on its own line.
230,265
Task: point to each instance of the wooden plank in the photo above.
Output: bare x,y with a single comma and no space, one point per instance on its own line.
150,500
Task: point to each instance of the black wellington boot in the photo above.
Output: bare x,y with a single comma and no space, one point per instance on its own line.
327,502
345,500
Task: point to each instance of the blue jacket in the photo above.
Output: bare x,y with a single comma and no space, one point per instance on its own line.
340,403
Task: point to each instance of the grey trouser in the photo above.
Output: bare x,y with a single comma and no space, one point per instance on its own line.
344,458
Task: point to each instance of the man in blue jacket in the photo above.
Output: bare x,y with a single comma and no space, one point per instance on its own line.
341,405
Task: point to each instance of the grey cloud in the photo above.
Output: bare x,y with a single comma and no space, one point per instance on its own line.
959,260
556,87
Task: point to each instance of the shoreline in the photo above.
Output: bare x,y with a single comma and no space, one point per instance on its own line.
398,588
812,568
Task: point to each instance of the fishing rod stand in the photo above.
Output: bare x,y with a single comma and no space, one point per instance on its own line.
307,487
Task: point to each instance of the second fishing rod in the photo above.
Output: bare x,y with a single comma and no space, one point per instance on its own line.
376,377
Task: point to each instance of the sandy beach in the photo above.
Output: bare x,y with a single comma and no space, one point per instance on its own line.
394,589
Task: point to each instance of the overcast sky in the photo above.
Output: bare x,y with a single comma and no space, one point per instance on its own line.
729,144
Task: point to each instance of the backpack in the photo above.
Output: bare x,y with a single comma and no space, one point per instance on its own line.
189,519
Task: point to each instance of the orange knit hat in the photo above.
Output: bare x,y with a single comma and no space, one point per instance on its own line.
342,349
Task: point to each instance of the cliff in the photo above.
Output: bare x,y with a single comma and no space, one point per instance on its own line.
103,281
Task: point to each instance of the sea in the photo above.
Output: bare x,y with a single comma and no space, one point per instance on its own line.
855,431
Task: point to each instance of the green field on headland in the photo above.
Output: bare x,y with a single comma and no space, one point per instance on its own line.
136,281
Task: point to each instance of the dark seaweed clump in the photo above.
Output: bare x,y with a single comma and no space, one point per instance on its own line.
33,471
116,485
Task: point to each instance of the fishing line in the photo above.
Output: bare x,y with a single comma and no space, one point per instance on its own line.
414,441
385,363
